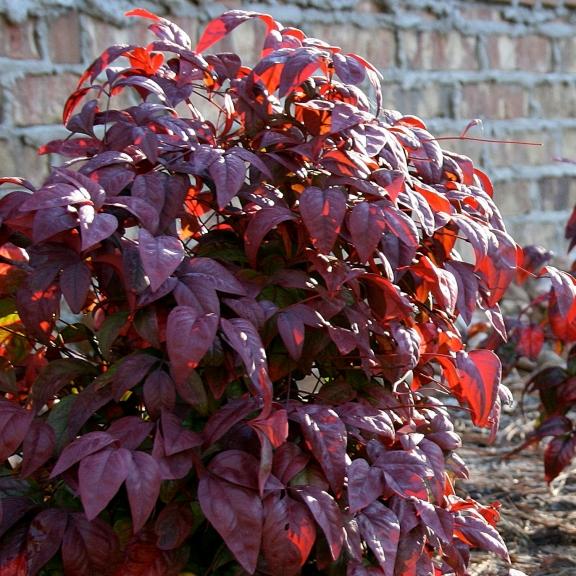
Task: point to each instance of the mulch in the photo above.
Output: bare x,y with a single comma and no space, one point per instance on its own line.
538,522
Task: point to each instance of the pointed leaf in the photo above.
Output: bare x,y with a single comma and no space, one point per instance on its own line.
229,173
367,224
39,445
44,538
75,283
322,212
160,255
189,335
143,487
100,476
159,392
380,529
15,423
236,513
95,227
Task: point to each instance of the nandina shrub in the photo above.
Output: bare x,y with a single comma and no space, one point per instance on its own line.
227,341
548,320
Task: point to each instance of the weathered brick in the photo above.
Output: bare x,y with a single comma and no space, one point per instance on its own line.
514,197
555,99
549,234
451,141
493,100
567,51
100,35
64,44
18,41
377,45
522,152
8,165
40,99
431,50
557,193
532,52
433,101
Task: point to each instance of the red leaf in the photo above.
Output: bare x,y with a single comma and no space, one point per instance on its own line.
292,331
274,427
39,445
224,24
323,212
530,341
386,299
88,547
288,536
44,538
367,225
161,255
75,283
143,14
479,374
260,223
380,530
189,335
475,531
244,338
100,476
38,310
15,423
325,436
327,515
558,454
300,65
143,487
236,513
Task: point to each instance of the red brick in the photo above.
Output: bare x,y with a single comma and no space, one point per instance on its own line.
64,39
514,197
557,193
494,101
100,35
555,99
41,99
522,152
431,50
18,40
377,45
532,53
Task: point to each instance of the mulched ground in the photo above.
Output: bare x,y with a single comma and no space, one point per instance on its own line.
538,522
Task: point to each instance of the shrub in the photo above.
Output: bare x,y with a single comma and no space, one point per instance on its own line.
227,340
549,319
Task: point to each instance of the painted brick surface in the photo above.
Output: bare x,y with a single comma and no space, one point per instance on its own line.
511,63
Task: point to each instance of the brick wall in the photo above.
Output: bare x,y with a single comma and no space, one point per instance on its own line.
511,63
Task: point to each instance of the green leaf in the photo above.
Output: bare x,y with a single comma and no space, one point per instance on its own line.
109,332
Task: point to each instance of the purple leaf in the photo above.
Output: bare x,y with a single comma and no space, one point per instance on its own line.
322,212
176,437
367,224
477,532
80,448
380,530
172,467
326,513
143,487
44,538
130,431
159,392
245,340
260,223
75,283
95,227
325,436
15,423
349,70
236,514
161,255
365,484
226,417
50,221
237,467
173,525
214,274
291,330
436,519
300,65
229,173
289,460
367,418
88,547
100,476
143,210
288,536
189,335
131,371
39,445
